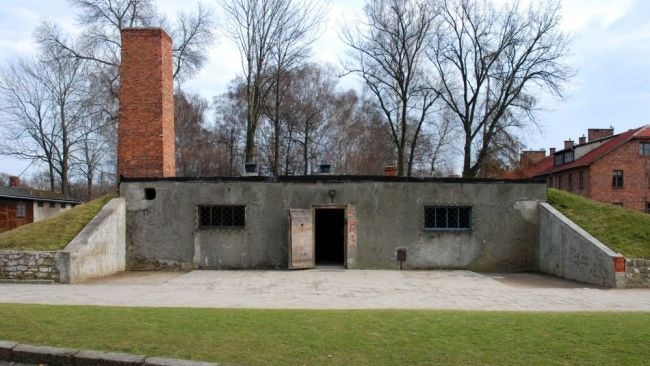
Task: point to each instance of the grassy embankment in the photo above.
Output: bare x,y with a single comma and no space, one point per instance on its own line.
53,233
355,337
623,230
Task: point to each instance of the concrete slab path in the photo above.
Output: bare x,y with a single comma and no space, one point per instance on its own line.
335,289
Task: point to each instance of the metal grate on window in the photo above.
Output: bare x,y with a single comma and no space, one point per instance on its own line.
447,217
617,179
222,216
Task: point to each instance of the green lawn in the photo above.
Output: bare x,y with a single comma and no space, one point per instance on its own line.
53,233
356,337
623,230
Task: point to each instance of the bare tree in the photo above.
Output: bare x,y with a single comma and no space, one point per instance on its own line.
27,125
200,149
357,142
310,98
387,50
272,36
492,62
291,49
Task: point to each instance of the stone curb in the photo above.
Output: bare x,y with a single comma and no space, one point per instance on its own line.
54,356
42,354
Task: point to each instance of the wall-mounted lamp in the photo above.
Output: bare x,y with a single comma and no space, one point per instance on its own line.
332,194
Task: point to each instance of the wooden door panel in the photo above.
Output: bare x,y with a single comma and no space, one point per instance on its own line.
301,239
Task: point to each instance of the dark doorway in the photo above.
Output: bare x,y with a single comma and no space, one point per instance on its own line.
330,237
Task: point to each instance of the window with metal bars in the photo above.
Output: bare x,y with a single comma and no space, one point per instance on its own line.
447,217
222,216
617,179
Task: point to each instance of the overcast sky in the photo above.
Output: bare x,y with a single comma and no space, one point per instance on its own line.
610,51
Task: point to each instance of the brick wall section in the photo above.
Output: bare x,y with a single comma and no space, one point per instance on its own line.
146,120
635,192
351,236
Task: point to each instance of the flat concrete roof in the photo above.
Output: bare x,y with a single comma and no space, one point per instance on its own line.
332,179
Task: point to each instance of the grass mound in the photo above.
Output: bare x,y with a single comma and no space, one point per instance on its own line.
334,337
623,230
53,233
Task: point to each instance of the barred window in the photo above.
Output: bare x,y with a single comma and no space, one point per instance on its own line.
581,180
617,179
222,216
447,217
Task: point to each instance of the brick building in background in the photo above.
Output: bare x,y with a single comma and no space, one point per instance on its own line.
21,205
603,166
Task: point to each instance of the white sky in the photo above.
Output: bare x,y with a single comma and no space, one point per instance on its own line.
611,52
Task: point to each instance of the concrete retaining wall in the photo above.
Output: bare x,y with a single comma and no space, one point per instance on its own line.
99,249
567,251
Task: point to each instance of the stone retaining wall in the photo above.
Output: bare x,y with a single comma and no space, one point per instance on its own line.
637,273
24,265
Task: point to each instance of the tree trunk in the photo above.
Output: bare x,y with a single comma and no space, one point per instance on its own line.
305,153
467,156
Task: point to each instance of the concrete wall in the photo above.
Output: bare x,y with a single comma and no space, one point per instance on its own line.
567,251
164,232
99,249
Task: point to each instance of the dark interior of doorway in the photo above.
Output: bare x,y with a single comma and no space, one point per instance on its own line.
330,237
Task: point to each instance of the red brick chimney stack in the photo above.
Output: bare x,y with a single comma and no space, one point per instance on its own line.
568,144
551,151
582,140
529,158
14,181
146,120
599,133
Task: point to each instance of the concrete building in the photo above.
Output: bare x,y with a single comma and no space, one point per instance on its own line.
299,222
21,206
602,166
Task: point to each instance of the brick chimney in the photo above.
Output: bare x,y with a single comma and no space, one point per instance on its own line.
146,121
551,151
529,158
14,181
582,140
599,133
568,144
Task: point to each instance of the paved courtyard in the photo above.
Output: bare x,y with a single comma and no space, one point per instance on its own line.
335,289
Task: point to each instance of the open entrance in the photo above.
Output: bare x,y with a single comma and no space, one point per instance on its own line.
330,236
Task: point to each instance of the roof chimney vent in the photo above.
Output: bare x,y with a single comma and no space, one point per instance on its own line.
551,151
582,140
14,182
568,144
599,133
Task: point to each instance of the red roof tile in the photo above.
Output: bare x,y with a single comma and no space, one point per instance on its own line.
547,165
